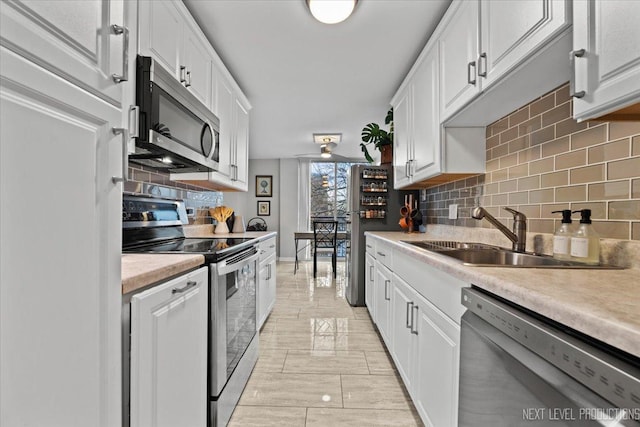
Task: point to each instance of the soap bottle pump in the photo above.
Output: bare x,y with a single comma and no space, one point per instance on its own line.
585,243
562,236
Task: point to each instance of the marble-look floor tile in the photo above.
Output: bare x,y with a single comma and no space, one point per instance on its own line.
379,363
267,416
374,391
309,313
270,360
326,362
340,417
287,341
305,390
370,342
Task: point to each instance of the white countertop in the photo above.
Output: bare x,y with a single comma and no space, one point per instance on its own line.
604,304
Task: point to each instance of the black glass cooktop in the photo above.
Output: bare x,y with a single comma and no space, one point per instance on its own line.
212,249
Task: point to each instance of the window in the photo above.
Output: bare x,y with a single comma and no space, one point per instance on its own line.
329,194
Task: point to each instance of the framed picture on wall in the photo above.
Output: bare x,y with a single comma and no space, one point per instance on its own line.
264,185
264,208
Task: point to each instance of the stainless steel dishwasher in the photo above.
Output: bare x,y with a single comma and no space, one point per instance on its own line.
517,369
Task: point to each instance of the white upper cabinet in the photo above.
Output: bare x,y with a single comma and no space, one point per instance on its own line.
172,38
402,134
416,121
512,31
76,41
459,52
606,43
240,165
484,41
170,35
423,149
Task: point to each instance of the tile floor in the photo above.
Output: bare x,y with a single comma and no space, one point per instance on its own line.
321,362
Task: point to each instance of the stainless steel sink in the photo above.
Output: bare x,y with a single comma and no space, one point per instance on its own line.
481,255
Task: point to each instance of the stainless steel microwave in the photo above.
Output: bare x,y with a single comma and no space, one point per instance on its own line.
177,132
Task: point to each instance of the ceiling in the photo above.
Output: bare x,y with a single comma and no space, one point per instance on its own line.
303,77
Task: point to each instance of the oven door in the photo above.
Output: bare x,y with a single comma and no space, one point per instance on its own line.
232,314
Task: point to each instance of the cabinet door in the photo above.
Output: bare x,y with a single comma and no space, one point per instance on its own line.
369,280
60,321
169,353
198,66
74,40
514,31
271,285
261,293
224,111
401,326
435,367
383,293
161,37
458,58
241,146
609,70
402,138
426,158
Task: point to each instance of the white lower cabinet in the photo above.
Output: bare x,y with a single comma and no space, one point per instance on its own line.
169,353
418,311
369,281
266,292
382,300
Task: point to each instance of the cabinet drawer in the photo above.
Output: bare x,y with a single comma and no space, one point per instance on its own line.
384,254
370,246
267,248
439,288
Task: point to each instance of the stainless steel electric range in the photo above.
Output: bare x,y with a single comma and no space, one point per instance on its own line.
155,226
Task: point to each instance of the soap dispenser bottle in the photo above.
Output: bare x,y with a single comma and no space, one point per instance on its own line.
562,236
585,243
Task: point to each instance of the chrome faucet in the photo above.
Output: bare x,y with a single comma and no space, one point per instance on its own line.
519,234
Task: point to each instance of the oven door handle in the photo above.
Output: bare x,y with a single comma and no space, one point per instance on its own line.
224,268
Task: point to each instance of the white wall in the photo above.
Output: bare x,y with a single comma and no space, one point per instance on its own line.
284,203
288,207
246,204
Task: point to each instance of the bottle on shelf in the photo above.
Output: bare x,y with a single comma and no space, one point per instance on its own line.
562,236
585,242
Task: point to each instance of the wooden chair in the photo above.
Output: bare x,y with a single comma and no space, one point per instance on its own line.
325,239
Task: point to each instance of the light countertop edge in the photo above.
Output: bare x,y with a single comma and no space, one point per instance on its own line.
603,304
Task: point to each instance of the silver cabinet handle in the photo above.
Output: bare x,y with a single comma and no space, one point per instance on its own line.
409,315
371,273
272,246
369,246
125,155
406,169
381,254
572,82
386,288
482,69
471,80
413,323
190,284
187,83
117,30
412,168
183,70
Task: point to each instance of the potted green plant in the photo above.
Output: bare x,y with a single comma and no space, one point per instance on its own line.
380,138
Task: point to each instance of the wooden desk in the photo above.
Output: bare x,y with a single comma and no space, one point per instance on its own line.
308,235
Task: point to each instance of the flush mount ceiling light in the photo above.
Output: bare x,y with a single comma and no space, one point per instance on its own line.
331,11
327,138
